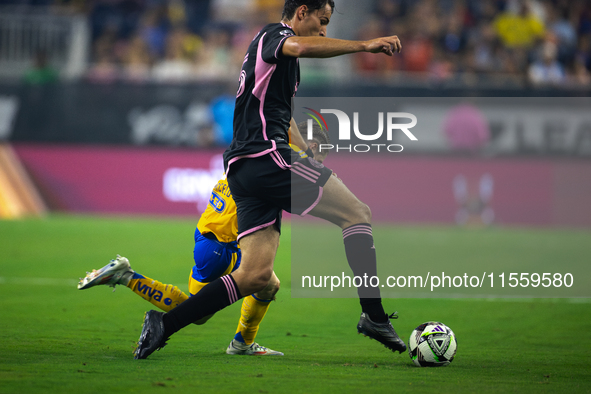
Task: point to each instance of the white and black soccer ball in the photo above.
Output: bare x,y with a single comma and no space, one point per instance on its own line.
432,344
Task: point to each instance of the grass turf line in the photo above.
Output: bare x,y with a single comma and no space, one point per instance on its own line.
57,339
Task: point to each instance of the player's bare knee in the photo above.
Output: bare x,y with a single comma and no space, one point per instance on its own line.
256,287
365,213
259,281
359,213
268,293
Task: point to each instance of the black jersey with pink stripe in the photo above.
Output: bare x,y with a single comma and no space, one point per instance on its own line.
268,81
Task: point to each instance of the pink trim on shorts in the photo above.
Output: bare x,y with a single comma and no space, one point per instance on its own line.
251,156
279,160
305,170
308,169
257,228
314,204
303,175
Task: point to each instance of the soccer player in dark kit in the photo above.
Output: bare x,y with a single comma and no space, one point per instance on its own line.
265,177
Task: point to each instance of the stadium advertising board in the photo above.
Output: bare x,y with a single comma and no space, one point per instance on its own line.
198,116
478,126
123,180
399,189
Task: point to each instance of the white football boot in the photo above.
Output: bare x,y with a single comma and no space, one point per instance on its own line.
117,272
254,349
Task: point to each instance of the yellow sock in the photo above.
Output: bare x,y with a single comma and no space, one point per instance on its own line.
159,294
252,312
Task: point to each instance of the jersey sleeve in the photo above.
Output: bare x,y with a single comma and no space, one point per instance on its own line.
273,43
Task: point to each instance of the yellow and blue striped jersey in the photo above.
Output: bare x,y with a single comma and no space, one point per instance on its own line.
219,217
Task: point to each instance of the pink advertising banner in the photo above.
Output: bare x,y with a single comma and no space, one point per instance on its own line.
123,180
398,188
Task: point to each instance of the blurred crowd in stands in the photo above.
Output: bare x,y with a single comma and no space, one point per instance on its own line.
174,40
538,42
513,42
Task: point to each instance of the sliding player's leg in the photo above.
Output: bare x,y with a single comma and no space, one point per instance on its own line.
253,275
341,207
119,272
254,307
253,310
258,228
212,261
166,297
259,223
161,295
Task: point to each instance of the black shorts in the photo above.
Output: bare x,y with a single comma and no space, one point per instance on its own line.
264,186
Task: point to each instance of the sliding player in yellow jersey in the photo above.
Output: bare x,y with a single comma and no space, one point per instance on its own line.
216,254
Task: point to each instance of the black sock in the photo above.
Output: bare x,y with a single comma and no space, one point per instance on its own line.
214,297
361,255
373,307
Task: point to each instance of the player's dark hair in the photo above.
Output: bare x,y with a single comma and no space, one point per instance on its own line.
319,135
291,6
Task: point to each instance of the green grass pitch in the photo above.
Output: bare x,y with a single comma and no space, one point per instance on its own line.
57,339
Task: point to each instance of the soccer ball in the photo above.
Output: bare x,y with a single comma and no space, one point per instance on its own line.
432,344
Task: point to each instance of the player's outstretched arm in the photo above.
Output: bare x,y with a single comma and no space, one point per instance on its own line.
322,47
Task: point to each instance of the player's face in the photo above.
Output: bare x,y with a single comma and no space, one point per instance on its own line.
315,22
315,147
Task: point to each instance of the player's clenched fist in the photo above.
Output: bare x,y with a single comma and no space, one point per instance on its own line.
387,45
